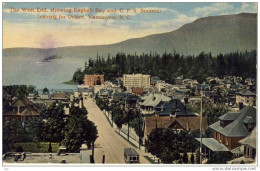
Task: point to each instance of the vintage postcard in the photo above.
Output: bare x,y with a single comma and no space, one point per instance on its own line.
132,84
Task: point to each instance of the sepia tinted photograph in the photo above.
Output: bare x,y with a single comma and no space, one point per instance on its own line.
129,83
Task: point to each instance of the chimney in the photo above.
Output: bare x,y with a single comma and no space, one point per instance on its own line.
187,126
241,105
186,100
175,104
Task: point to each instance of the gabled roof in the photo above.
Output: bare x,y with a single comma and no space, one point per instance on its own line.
174,106
29,111
250,140
213,144
130,97
22,101
246,93
188,123
236,128
230,116
249,120
203,86
154,99
59,96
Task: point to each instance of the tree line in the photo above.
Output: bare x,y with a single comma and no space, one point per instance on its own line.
171,65
121,116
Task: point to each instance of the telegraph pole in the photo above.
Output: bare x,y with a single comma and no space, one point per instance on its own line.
200,126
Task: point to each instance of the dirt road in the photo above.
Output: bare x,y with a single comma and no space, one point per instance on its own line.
109,143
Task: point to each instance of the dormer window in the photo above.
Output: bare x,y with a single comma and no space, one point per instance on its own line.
222,124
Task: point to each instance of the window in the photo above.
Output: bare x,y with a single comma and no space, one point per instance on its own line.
220,137
226,140
253,153
222,123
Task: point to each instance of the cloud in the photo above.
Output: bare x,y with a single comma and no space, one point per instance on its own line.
224,9
212,9
249,7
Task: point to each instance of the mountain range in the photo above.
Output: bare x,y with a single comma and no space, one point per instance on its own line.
215,34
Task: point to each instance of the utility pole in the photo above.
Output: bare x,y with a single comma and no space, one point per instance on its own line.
200,126
139,127
128,125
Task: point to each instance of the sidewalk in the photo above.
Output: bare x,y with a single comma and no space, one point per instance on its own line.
131,141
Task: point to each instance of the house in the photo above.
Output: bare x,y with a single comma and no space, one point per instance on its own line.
130,101
22,109
118,98
229,130
248,149
44,96
31,96
60,97
190,82
139,91
178,80
246,97
204,87
105,93
174,107
149,102
189,123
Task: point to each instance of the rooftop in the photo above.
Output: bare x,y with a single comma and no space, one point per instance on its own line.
44,158
213,144
246,93
154,99
236,128
130,152
250,140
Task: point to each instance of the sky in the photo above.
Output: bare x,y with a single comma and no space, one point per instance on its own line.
24,29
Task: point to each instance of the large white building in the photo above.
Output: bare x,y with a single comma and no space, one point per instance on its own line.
136,80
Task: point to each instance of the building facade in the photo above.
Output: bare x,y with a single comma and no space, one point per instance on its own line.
246,97
136,80
92,80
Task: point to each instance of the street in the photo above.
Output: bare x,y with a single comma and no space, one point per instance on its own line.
109,143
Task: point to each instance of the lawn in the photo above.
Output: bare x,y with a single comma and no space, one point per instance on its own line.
43,147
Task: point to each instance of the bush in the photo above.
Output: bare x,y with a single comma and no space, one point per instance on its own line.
185,158
192,158
198,157
220,157
19,149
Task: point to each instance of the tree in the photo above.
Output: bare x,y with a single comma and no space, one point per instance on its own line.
220,157
13,132
117,117
54,117
35,130
79,130
185,158
213,111
31,89
192,158
45,91
198,156
164,144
